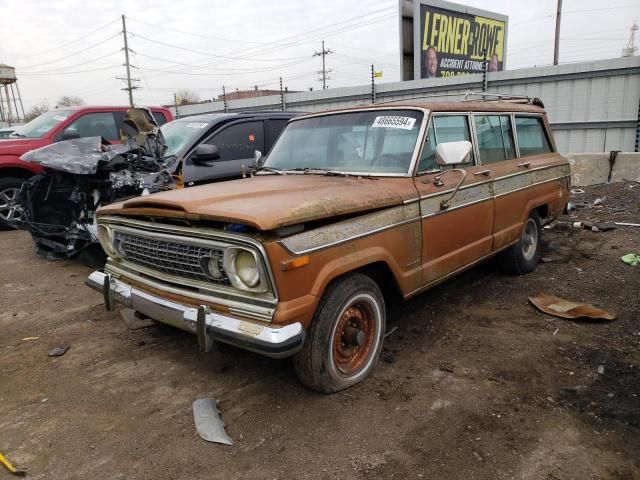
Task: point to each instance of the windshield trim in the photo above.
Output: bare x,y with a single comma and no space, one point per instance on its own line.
416,149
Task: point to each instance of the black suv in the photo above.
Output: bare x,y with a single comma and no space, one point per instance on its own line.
220,146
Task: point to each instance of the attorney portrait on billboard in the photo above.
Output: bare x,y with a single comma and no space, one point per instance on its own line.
452,39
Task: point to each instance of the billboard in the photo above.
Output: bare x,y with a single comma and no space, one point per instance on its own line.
450,39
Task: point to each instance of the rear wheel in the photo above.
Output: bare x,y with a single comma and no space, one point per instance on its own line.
523,257
9,190
346,336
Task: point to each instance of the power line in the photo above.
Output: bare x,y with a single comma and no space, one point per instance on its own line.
72,66
208,54
191,33
70,42
65,72
72,54
197,66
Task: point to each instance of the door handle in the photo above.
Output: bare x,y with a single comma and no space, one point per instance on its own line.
524,165
486,173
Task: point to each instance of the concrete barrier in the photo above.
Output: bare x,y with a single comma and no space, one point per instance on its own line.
593,168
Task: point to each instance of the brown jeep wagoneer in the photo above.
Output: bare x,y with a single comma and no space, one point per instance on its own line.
349,207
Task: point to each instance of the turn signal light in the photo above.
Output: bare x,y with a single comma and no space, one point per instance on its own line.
295,263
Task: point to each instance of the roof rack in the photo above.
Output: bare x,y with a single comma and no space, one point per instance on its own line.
502,97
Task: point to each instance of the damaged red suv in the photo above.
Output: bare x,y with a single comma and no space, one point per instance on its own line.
51,127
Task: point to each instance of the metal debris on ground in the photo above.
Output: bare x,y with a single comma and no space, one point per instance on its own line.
9,466
627,224
59,351
391,331
562,308
209,425
26,339
134,320
632,259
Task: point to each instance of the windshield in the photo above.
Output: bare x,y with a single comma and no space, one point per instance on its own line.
367,142
179,133
43,124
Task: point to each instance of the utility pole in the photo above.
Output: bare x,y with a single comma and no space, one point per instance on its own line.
175,103
373,84
282,104
556,49
129,88
224,99
324,71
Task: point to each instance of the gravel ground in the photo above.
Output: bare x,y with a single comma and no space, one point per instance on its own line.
474,384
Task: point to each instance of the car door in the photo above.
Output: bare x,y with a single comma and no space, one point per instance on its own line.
92,124
273,128
457,225
237,143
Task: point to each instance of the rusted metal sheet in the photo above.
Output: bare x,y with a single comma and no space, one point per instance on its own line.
562,308
273,201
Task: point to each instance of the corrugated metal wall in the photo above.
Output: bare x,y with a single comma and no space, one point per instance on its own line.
592,106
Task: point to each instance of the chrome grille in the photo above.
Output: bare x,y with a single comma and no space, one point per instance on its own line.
167,256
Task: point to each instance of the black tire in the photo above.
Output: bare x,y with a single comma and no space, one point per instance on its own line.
329,363
8,188
523,257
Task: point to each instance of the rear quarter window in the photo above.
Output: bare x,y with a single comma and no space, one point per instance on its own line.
532,136
159,118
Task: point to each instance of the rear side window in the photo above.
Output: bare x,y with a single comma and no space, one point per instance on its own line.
495,138
273,128
159,118
532,138
239,141
444,128
96,124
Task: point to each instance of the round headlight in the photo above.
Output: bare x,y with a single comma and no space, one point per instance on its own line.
106,240
214,268
247,268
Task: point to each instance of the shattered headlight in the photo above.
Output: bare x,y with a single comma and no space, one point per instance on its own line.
244,269
105,236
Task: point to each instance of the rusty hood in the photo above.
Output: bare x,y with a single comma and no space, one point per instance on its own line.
268,202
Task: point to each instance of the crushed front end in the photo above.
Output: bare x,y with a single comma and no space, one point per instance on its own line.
58,206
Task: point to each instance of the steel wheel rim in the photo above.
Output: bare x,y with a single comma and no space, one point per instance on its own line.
8,208
361,313
529,239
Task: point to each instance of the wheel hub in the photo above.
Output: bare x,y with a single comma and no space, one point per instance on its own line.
354,337
9,210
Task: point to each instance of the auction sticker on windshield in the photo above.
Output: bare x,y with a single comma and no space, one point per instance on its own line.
392,121
196,124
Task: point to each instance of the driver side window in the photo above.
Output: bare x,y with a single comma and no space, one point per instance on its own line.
97,124
442,128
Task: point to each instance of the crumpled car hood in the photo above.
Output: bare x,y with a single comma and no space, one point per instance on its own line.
267,202
79,156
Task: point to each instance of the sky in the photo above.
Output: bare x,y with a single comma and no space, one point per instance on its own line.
75,47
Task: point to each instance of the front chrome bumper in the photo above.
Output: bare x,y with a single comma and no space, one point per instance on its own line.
277,342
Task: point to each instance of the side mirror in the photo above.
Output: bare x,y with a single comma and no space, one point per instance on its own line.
257,159
69,135
205,153
453,153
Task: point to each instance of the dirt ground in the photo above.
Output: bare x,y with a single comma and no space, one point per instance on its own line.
474,384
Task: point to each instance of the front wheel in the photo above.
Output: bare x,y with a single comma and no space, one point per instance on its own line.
346,336
9,211
523,257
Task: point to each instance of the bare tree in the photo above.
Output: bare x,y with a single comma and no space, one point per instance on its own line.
69,101
187,97
36,111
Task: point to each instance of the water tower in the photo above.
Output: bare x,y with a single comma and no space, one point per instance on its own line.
9,113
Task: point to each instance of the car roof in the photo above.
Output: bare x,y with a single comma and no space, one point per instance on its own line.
472,106
214,117
106,107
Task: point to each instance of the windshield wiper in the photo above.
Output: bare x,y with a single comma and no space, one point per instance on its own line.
19,135
329,173
271,169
